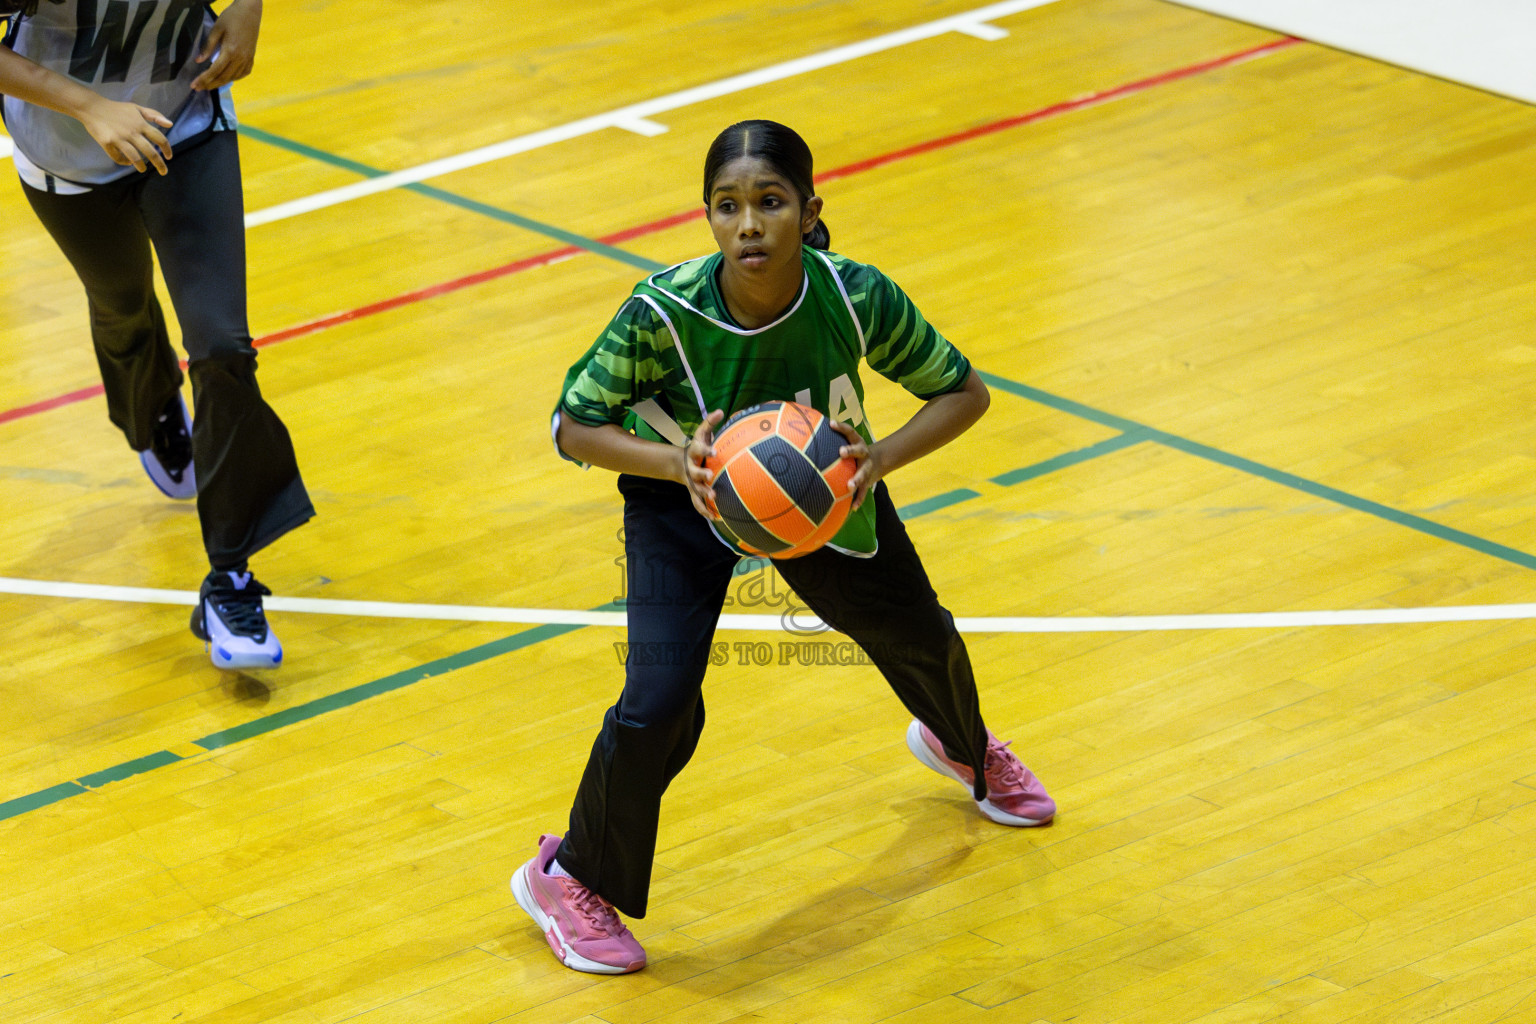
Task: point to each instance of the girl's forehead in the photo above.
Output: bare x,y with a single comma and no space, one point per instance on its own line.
747,172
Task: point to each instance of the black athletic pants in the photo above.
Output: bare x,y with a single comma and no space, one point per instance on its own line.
678,574
249,490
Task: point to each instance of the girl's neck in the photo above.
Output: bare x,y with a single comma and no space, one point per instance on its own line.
758,303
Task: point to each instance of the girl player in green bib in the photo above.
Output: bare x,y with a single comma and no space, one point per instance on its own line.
772,315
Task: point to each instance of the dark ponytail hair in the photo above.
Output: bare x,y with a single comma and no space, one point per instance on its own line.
778,147
8,8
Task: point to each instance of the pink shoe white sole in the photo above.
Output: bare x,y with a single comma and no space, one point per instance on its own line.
1040,808
560,943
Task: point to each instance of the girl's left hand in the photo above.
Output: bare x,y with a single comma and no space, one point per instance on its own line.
868,457
233,40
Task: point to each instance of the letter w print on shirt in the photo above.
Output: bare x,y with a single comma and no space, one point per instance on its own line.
106,37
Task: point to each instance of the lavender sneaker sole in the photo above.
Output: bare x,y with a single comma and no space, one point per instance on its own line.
229,651
184,489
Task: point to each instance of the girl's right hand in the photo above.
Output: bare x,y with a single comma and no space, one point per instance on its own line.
695,476
129,133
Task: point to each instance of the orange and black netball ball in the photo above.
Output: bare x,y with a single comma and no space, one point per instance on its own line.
780,486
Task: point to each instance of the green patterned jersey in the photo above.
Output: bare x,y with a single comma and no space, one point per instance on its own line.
672,354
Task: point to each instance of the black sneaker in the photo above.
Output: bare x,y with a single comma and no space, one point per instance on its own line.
230,618
168,459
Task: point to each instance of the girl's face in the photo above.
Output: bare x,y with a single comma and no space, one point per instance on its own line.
758,219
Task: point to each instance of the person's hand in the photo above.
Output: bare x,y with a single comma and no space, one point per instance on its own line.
231,45
867,456
695,476
129,133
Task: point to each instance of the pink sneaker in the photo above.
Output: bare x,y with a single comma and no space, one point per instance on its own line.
581,927
1014,795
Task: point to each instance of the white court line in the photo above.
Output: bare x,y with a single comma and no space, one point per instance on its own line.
807,625
637,117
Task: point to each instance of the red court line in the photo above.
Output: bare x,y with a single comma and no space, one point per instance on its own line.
333,320
420,295
847,170
1092,99
654,226
51,403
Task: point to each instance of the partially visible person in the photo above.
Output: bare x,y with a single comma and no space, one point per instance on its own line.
125,142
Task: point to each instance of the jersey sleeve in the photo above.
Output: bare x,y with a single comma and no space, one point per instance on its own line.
632,359
899,344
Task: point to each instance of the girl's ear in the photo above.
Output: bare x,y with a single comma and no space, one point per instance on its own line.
810,214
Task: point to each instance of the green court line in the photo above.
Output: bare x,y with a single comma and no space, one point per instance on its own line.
580,241
1333,494
324,157
128,769
366,691
42,798
1258,469
1017,476
289,716
1077,409
443,195
938,501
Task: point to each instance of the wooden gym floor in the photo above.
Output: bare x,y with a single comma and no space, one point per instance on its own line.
1256,314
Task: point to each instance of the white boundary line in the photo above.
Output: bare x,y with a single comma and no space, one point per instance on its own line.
637,117
808,625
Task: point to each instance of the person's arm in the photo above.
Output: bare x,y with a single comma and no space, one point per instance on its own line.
610,446
903,347
937,422
231,45
130,134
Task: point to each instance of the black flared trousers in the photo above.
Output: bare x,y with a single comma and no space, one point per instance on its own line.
678,573
249,489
